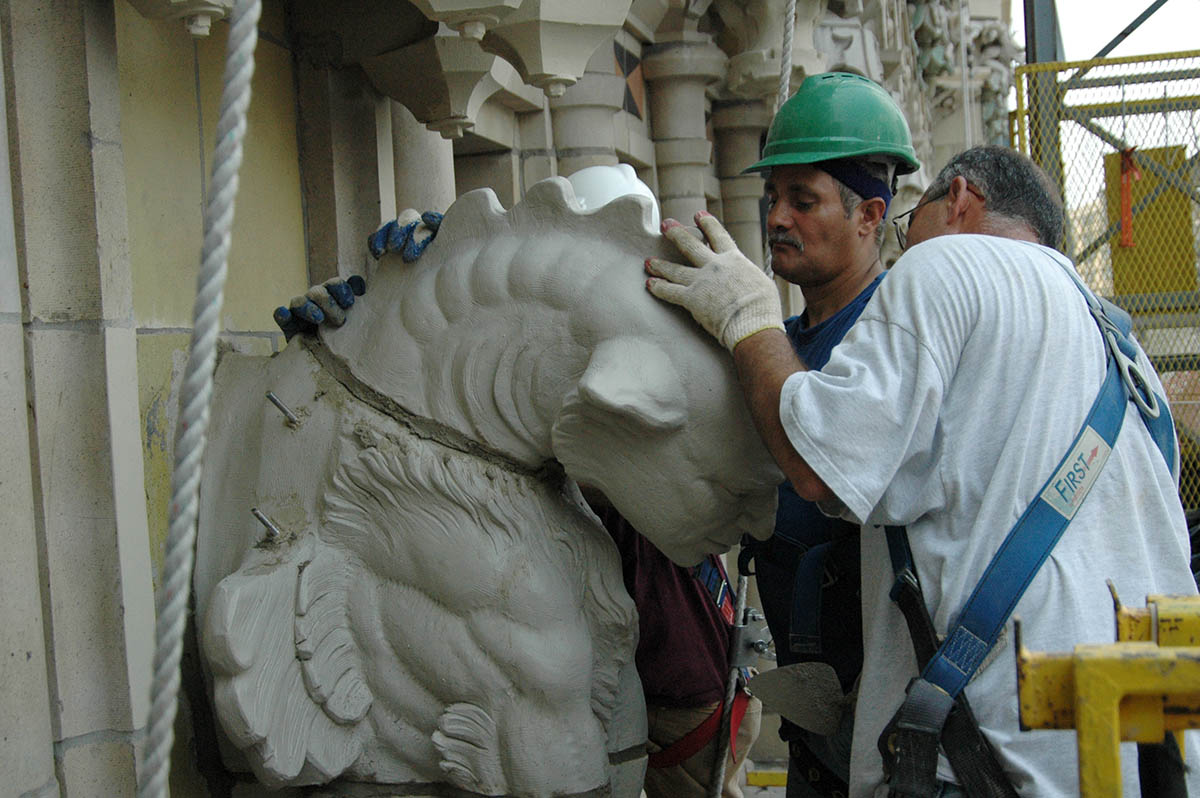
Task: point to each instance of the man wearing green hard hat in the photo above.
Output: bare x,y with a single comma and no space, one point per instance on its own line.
831,159
832,156
929,499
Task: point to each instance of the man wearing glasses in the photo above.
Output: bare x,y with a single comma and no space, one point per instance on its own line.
947,410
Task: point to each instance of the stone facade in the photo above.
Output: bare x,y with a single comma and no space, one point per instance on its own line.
359,108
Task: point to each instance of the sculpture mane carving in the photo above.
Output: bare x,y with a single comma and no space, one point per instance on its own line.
443,608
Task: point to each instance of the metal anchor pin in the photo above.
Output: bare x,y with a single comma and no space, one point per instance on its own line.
292,418
273,532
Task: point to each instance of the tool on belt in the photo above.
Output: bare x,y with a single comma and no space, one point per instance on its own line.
935,711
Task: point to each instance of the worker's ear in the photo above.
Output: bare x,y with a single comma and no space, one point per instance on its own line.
960,205
873,210
635,378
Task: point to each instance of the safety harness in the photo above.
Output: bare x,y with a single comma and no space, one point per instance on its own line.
935,709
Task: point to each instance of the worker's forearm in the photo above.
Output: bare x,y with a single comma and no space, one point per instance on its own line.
764,361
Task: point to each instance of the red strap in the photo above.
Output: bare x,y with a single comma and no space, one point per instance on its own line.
690,744
740,701
1129,173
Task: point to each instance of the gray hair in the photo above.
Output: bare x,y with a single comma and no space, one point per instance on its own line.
1014,187
851,199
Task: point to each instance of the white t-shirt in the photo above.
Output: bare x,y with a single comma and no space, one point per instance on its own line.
945,409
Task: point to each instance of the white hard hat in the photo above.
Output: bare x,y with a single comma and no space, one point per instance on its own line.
598,185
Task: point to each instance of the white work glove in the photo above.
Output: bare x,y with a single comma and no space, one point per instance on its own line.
725,291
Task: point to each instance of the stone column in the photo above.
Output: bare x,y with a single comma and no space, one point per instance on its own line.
583,116
348,178
678,72
499,171
89,519
424,164
738,126
536,146
27,755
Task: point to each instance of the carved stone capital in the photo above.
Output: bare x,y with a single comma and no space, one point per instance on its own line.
440,613
681,19
754,73
443,80
471,19
550,42
644,17
850,45
756,27
684,62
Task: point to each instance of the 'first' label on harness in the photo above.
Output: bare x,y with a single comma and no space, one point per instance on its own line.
1070,485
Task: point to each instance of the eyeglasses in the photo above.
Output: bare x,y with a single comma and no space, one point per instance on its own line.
902,229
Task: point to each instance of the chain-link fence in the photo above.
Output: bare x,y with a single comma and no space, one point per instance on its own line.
1121,137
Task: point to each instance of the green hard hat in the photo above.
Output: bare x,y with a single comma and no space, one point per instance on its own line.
838,115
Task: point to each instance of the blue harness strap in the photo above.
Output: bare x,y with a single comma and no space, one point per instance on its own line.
1043,522
935,708
1039,528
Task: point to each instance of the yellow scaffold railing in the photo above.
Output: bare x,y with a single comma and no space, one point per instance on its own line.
1138,689
1121,138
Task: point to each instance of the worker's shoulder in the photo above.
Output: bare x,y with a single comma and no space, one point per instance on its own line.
968,258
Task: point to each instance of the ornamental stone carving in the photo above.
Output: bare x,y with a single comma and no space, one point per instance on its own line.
756,27
439,608
470,18
443,80
551,41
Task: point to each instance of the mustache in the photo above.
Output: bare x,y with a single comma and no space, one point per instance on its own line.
783,238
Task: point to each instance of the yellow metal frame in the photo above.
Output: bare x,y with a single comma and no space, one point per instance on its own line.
1022,112
1120,139
1137,689
766,778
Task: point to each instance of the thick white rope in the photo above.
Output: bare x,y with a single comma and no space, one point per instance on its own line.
785,55
195,397
785,81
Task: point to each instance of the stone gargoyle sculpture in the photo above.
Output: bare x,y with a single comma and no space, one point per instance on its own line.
436,606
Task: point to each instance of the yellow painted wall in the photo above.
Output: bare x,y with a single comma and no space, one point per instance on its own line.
170,98
167,132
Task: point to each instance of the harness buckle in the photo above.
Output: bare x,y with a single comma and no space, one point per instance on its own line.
911,741
1136,385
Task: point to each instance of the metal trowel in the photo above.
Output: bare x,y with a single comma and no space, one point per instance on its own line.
806,693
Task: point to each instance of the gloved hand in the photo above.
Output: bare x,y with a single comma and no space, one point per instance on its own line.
409,234
724,291
327,303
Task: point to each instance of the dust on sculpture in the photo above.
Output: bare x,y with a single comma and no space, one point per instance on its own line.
442,608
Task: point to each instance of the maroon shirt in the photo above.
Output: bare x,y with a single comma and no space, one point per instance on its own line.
683,644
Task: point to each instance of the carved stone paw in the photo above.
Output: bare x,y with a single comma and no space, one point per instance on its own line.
467,740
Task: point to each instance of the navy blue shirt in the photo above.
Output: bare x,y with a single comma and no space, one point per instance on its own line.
809,619
799,521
